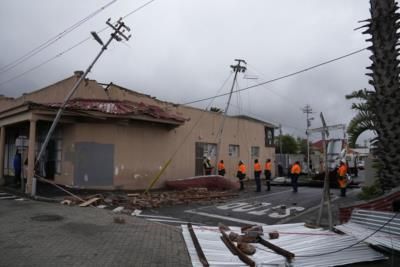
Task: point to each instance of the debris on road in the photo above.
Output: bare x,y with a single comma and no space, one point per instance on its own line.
140,201
118,209
119,220
89,202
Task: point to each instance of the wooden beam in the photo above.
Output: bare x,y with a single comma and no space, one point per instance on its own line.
235,251
196,243
287,254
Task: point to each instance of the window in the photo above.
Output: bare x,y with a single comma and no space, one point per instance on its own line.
255,152
234,151
269,136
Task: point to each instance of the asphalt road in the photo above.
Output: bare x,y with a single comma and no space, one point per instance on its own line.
248,208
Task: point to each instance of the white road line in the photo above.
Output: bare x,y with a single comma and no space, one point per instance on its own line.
162,220
249,198
223,217
3,194
8,197
309,210
154,216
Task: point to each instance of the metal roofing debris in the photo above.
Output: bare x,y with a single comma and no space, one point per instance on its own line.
376,227
307,244
116,107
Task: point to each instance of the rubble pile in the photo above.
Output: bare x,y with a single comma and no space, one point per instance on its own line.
133,201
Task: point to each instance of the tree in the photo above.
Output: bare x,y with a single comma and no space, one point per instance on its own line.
302,145
380,109
289,144
364,120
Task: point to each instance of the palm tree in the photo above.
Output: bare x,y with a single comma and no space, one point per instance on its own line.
364,120
383,103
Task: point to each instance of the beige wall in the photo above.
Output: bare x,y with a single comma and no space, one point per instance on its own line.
141,149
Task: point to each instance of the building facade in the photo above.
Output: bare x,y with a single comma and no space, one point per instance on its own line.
110,137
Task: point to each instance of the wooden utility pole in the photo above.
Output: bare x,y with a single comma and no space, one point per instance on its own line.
308,110
326,195
119,33
236,68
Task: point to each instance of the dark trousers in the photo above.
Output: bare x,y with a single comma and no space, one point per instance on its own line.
221,172
294,177
257,178
268,179
343,192
17,176
241,177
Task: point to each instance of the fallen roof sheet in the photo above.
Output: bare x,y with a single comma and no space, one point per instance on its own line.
376,227
304,242
116,107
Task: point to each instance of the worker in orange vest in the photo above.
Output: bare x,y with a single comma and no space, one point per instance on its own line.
207,165
295,173
221,168
241,173
257,175
267,173
342,180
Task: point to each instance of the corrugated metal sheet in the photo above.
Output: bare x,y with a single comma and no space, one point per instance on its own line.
304,242
364,223
116,107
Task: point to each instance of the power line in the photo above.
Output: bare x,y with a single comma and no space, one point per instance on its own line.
68,49
52,40
282,77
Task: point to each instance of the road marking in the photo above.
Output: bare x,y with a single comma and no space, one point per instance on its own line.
163,220
154,216
309,210
8,197
3,194
223,217
286,212
250,198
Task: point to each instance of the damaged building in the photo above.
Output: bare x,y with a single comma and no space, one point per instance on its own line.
110,137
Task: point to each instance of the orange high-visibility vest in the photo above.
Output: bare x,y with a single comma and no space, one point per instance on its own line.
257,167
296,169
342,170
242,168
221,166
268,166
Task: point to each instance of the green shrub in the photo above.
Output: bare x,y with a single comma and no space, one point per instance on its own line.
369,192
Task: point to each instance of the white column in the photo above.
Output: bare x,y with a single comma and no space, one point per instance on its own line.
2,144
31,156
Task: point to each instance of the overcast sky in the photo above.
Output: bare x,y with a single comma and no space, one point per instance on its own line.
181,51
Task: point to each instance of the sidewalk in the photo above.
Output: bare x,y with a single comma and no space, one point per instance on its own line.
34,233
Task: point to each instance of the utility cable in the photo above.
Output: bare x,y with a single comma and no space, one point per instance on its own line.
68,49
52,40
282,77
287,99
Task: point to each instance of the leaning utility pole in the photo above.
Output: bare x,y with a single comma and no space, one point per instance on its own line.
326,196
308,110
119,33
236,68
